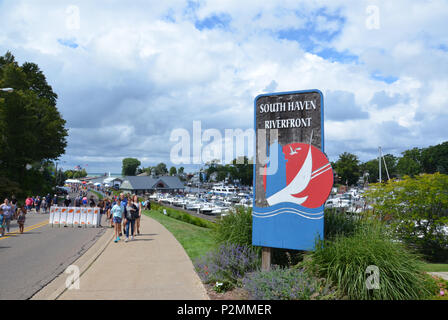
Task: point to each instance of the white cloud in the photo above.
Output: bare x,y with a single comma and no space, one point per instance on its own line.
143,69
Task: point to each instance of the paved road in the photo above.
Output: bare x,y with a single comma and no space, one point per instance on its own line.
31,260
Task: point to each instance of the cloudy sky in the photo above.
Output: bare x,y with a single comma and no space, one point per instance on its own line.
128,73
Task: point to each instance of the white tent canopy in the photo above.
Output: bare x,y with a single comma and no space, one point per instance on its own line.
72,181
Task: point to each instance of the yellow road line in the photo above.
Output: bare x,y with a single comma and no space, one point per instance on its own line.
35,226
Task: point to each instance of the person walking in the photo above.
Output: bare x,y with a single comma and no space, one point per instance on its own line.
37,204
117,214
21,217
44,204
131,215
48,200
28,203
139,212
2,223
7,214
101,205
67,201
124,204
92,202
107,207
54,202
84,201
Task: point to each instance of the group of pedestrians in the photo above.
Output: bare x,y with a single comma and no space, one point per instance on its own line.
9,210
123,213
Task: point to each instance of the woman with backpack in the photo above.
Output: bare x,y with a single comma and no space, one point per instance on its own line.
131,215
139,208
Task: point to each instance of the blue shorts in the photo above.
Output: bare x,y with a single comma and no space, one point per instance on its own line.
117,220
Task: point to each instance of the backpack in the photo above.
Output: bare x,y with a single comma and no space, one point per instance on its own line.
133,213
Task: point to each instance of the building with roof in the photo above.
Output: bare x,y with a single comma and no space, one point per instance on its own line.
145,184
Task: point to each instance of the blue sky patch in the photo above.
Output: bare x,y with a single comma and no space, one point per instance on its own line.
385,78
214,21
315,37
68,43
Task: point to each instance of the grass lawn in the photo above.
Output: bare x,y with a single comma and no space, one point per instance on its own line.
99,195
195,240
436,267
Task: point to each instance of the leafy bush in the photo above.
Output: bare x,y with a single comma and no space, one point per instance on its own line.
344,261
338,222
228,264
417,210
183,216
286,284
235,228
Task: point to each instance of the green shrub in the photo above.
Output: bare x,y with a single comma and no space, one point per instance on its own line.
227,264
183,216
286,284
235,228
417,210
345,259
338,222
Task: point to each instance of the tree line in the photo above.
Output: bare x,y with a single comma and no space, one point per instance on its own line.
349,169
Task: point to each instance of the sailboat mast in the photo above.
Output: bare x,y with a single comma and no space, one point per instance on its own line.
379,161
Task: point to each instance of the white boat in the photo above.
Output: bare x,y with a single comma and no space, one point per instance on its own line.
221,189
193,205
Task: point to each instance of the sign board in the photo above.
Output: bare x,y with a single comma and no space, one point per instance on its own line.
292,176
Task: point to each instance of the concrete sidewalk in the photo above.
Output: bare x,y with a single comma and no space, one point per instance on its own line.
154,266
443,275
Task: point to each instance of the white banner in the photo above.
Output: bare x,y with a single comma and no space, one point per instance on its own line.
83,217
77,217
70,216
63,218
56,216
51,216
96,217
74,216
90,217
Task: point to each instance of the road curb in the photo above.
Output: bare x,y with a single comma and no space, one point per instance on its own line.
54,289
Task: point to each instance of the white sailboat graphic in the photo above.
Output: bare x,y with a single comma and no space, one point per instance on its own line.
297,185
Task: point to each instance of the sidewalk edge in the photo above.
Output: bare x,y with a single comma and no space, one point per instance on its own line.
57,287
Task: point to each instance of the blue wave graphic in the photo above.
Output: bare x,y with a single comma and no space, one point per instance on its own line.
288,207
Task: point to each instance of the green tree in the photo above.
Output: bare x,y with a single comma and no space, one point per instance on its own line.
129,166
435,158
417,210
31,126
347,168
161,169
372,168
173,171
410,163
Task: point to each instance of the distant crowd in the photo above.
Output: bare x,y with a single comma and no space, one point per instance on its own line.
122,212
